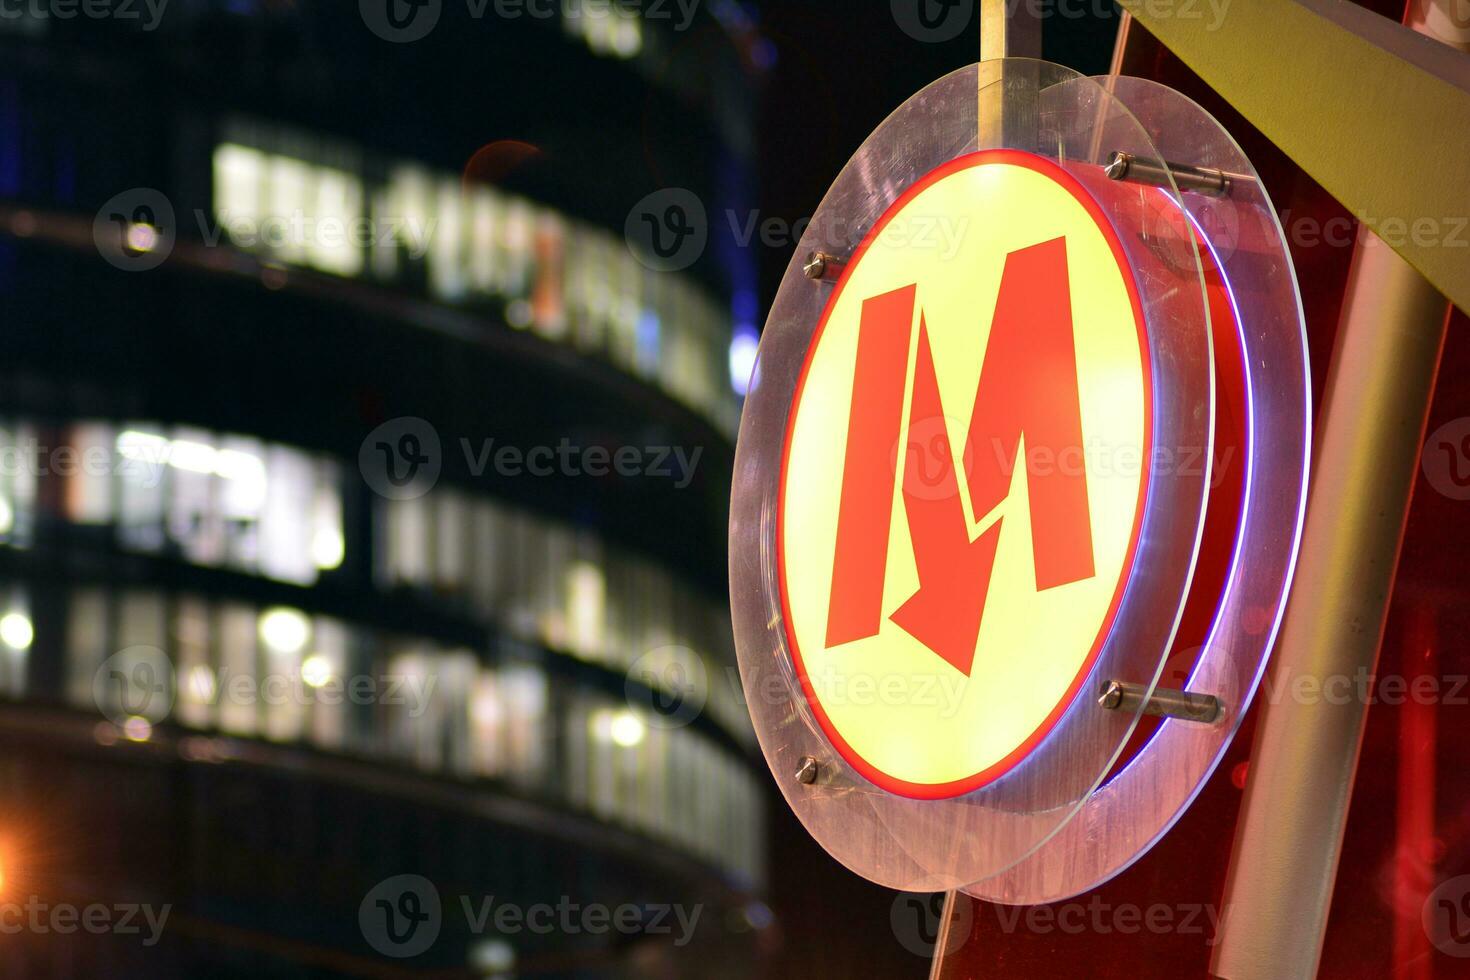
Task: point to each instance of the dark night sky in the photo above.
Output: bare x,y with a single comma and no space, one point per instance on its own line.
842,68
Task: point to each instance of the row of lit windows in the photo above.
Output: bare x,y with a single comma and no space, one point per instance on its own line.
278,674
607,27
220,501
271,510
624,766
563,588
298,202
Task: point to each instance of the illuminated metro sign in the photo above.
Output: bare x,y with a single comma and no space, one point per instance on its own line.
948,522
1002,493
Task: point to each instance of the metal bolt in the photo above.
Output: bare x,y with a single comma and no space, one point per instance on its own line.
821,265
1201,180
1163,702
1117,165
807,770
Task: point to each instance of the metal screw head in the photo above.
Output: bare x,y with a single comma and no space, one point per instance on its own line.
1112,695
806,770
823,267
1117,165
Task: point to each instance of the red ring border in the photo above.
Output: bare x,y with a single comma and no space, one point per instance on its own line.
959,787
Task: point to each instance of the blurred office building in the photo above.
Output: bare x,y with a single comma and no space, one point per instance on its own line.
362,489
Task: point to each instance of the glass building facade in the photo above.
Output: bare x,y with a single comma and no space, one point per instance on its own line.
285,686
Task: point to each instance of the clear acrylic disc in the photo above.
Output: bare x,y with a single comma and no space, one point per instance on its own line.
1065,126
1250,271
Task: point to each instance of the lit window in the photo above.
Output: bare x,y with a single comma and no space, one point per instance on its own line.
586,599
410,213
238,177
547,310
406,561
193,518
198,685
414,731
338,221
237,669
451,526
143,472
447,247
483,262
285,636
325,671
328,546
89,488
18,484
141,670
86,644
286,523
487,724
524,690
16,634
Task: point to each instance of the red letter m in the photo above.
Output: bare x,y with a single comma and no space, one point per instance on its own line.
1028,387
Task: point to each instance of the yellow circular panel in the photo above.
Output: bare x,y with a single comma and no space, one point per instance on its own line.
963,475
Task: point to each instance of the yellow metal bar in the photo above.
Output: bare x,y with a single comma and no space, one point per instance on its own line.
1374,112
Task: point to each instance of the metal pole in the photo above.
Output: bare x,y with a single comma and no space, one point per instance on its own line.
1004,33
1001,36
1289,835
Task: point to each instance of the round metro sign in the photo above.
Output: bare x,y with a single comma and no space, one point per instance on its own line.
964,474
1023,457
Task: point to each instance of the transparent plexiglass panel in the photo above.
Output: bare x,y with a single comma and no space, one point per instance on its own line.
1051,120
